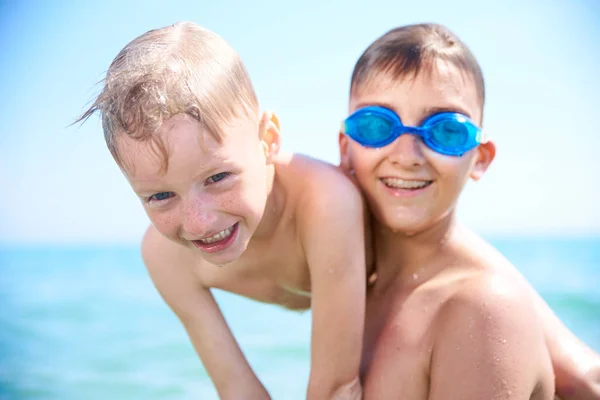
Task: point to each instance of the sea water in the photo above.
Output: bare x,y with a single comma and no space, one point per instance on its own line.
87,323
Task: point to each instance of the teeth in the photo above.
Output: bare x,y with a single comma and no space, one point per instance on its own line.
404,184
219,236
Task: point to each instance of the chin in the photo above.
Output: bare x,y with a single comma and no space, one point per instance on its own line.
224,258
406,228
406,223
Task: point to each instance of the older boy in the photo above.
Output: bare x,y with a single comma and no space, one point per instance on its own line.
448,317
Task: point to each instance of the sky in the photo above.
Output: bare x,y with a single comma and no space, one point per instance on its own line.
539,58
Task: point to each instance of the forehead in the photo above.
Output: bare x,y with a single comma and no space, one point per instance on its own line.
186,145
443,86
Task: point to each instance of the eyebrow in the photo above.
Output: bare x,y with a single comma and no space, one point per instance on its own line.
142,187
376,103
427,111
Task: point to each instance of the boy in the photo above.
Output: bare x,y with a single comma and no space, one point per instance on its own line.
447,317
230,211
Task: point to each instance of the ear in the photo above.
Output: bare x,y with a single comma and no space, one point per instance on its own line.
270,135
486,152
344,145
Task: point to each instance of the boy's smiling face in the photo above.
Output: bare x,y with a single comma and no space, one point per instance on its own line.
212,196
410,187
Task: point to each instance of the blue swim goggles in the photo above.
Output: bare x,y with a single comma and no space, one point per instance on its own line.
448,133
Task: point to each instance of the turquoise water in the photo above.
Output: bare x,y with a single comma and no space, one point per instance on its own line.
86,323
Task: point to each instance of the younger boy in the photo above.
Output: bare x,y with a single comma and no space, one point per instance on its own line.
448,317
230,211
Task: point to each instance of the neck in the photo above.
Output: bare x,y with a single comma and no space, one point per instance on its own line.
274,206
411,258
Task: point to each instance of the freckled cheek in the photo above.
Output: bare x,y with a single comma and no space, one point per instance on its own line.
239,202
166,223
229,203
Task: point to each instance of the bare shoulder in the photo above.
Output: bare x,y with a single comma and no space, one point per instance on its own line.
490,299
490,284
488,334
319,183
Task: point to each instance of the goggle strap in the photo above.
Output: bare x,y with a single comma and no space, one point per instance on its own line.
482,136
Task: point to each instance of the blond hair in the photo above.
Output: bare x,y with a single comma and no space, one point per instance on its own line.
181,68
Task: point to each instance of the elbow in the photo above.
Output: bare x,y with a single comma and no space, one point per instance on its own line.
351,390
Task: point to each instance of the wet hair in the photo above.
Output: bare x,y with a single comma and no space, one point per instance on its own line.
181,68
407,51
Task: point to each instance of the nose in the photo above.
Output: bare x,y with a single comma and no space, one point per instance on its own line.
198,218
407,151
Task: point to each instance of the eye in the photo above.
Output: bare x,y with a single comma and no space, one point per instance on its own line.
218,177
450,133
161,196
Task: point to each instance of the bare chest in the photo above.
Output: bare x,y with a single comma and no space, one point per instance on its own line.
275,272
398,345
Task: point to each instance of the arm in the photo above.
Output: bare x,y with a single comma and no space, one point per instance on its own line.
576,366
170,266
489,345
332,236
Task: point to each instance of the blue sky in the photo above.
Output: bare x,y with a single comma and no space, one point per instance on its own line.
540,60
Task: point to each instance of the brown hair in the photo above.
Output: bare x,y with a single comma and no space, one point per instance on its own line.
181,68
405,51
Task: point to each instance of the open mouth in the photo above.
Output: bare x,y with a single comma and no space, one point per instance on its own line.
405,184
218,241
